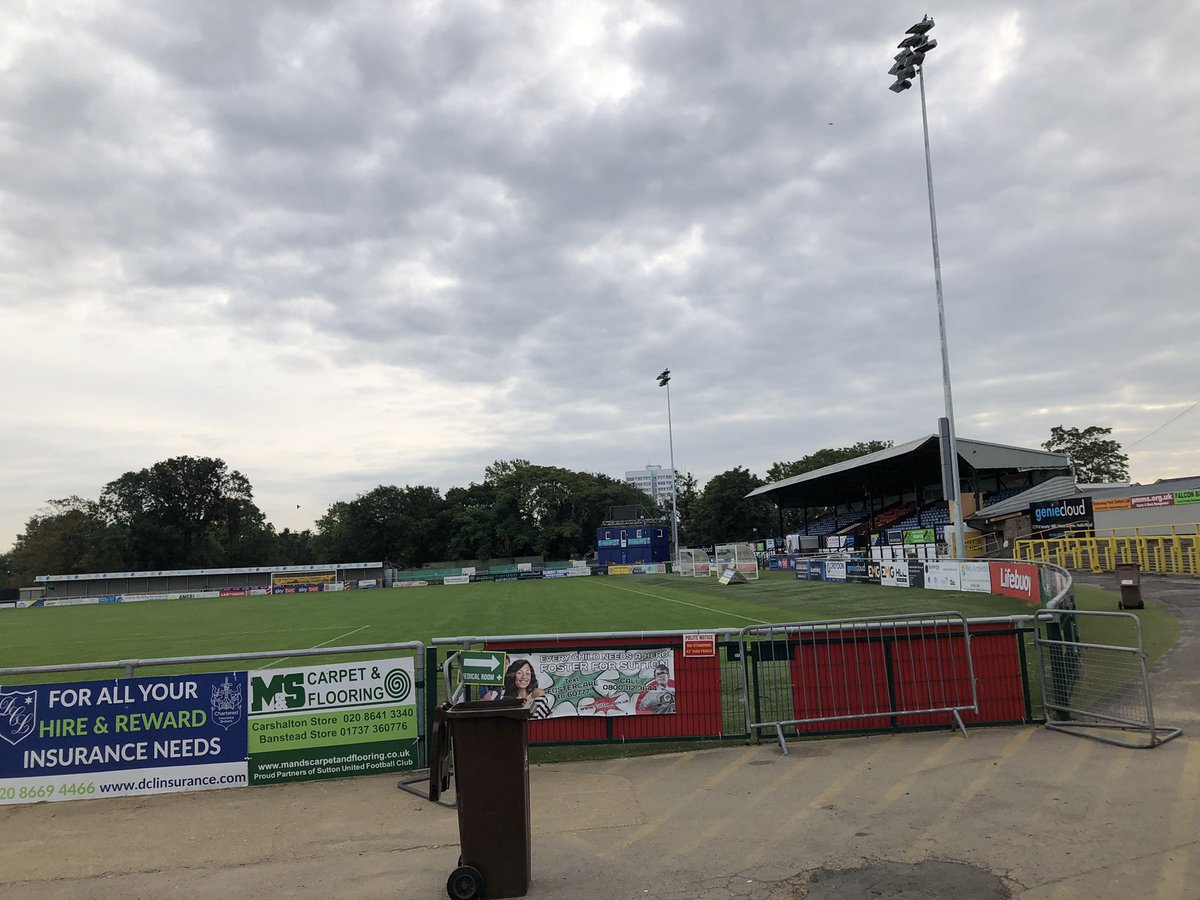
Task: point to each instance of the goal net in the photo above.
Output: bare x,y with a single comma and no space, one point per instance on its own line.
739,557
693,563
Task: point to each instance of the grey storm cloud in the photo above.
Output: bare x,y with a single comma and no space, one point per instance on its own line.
524,211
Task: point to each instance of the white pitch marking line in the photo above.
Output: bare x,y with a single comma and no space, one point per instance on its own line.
315,646
684,602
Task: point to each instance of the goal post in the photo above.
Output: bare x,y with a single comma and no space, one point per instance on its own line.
738,556
693,563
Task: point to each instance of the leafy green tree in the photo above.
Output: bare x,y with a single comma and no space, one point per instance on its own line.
295,548
405,525
723,513
68,538
822,458
1096,460
471,522
551,511
186,511
523,509
687,491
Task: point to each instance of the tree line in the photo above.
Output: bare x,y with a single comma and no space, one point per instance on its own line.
195,512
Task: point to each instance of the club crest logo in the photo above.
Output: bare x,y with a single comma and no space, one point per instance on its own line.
227,703
18,715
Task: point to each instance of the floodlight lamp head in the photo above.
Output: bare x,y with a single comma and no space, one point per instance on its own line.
927,46
900,85
896,69
921,27
911,41
664,378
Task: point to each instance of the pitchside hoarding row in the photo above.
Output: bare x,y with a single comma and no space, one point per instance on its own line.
278,589
531,574
1010,579
198,732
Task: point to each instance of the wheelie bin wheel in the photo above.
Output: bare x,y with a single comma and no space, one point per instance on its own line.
465,883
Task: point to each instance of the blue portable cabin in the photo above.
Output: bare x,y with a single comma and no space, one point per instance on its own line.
633,543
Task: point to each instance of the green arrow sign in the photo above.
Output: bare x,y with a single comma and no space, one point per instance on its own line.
482,666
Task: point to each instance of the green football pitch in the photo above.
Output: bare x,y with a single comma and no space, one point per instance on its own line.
76,634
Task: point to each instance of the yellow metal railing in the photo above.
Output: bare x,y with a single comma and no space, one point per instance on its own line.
1166,550
987,545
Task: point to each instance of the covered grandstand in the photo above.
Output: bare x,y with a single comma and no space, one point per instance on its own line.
876,497
115,587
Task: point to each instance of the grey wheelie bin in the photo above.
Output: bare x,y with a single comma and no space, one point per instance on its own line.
491,775
1129,580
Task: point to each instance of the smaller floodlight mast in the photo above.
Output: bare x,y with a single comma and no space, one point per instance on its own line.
664,380
908,62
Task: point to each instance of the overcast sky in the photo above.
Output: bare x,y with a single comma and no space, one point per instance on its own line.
340,245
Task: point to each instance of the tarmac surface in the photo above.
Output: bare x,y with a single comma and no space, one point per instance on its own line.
1006,812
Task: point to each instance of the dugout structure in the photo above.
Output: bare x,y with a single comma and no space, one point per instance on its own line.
739,556
694,563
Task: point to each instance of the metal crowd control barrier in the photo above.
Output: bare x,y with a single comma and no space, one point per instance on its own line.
1093,675
865,671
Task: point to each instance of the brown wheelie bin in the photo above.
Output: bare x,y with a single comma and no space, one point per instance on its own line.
491,776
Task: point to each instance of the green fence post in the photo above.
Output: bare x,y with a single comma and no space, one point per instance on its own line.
432,680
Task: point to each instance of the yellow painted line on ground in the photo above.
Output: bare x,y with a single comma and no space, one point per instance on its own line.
750,807
921,847
794,820
665,814
905,784
1173,882
1090,828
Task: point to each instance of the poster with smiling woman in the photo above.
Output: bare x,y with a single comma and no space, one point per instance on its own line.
594,682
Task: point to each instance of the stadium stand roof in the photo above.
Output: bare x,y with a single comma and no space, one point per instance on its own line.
1053,489
1064,487
896,469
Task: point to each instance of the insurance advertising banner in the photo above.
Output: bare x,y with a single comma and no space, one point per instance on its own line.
115,738
332,721
942,576
596,682
975,576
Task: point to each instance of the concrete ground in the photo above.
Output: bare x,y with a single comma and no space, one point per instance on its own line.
1007,812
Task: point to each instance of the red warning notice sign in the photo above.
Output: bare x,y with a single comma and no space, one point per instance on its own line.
700,644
